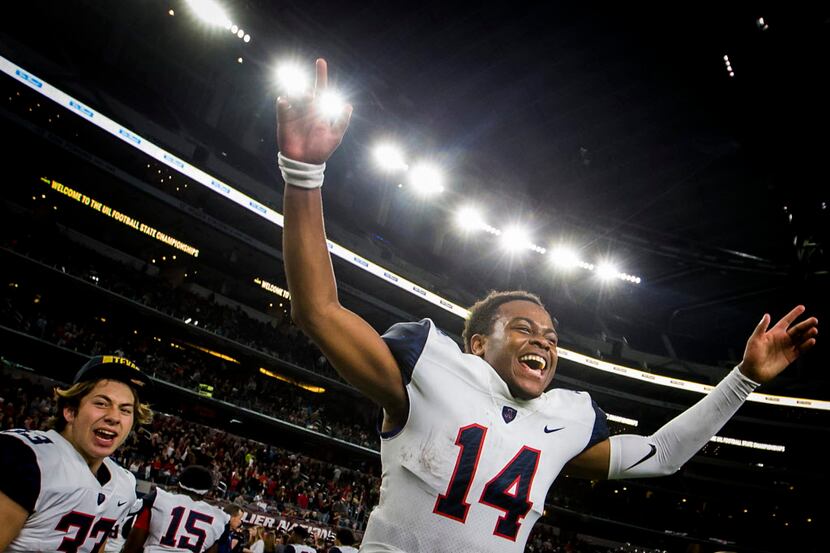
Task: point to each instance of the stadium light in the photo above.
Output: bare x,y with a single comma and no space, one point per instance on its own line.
291,79
210,12
469,219
389,158
515,239
563,257
426,179
331,104
607,271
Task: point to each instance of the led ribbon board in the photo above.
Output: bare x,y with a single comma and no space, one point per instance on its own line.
122,218
223,189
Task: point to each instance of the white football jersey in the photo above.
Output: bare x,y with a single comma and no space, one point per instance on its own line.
179,523
470,469
118,534
70,509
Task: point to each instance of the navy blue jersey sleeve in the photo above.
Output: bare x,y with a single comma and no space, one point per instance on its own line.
600,431
289,549
406,341
19,472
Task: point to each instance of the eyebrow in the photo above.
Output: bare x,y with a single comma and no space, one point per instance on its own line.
531,322
109,399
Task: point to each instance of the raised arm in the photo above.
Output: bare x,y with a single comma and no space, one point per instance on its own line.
768,352
306,140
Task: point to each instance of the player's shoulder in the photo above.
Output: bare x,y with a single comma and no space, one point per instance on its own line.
28,437
408,331
214,510
560,398
34,446
408,340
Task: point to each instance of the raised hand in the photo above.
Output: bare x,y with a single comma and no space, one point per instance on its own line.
770,351
303,132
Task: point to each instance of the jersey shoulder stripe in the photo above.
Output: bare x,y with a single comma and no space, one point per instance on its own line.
406,341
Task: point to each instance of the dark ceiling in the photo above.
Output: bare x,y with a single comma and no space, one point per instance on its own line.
615,128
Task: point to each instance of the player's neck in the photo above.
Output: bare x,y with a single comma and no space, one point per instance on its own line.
93,463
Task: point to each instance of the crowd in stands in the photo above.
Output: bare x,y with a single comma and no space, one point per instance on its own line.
31,311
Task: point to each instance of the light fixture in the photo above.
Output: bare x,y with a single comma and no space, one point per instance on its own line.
389,157
426,179
291,79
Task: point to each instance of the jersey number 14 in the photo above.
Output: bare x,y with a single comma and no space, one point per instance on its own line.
508,491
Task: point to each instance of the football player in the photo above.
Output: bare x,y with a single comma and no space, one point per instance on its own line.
297,541
471,441
343,542
59,490
179,522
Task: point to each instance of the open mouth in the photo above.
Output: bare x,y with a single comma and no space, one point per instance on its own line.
533,362
105,437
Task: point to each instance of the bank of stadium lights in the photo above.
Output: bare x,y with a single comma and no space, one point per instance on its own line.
470,219
516,239
608,272
728,65
425,179
212,13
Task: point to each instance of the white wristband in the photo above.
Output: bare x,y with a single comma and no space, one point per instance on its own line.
298,173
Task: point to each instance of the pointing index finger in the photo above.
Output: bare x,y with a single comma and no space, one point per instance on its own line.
322,76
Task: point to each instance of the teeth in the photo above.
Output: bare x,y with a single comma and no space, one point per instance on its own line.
106,433
537,360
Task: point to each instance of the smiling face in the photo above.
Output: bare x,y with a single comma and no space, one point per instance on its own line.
101,422
521,347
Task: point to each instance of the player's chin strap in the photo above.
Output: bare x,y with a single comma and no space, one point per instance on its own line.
298,173
665,451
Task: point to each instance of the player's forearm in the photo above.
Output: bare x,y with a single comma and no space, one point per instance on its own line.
14,518
668,449
307,261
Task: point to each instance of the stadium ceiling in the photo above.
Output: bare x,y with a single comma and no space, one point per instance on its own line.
678,144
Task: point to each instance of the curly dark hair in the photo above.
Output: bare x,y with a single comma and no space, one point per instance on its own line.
483,312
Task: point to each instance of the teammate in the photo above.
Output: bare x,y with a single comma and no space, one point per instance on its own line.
296,541
118,535
59,490
343,542
179,522
471,442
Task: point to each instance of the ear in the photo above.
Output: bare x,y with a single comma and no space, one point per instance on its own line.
69,414
477,344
